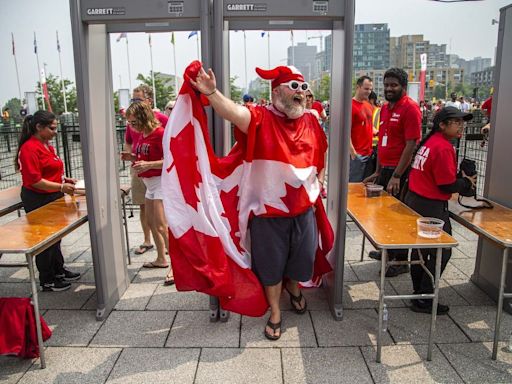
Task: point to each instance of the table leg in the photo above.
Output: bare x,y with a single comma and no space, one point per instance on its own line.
35,300
125,223
504,262
435,301
381,301
362,248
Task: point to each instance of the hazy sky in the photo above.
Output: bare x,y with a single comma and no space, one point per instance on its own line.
465,28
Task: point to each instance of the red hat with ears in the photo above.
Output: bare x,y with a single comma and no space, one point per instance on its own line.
280,75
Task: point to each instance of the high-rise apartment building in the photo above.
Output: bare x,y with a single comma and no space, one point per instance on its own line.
303,57
405,53
371,46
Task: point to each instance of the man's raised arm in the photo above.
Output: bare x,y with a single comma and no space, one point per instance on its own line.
226,108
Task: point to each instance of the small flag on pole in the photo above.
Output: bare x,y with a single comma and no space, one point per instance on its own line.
149,39
193,33
13,48
35,44
172,38
58,43
121,36
263,34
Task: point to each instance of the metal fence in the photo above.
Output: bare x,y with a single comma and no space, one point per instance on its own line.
67,144
473,145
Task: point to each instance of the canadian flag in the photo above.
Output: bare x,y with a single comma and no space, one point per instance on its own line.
208,202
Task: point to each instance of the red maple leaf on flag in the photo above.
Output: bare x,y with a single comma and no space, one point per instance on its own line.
185,163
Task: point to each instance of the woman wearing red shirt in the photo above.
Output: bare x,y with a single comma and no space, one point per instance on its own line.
147,162
432,180
42,173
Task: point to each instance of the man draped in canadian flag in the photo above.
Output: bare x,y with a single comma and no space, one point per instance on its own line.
254,218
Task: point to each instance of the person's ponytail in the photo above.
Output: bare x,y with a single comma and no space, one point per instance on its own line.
43,118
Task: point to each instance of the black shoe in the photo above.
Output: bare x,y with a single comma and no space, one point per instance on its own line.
56,286
425,306
68,276
375,255
395,270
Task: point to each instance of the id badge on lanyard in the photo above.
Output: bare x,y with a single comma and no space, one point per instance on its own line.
385,140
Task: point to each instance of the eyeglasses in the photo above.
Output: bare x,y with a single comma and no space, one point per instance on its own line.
52,127
168,109
309,96
295,85
135,100
132,122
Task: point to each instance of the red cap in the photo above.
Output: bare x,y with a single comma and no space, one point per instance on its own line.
280,75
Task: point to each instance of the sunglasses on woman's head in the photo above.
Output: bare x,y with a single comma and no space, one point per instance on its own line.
295,85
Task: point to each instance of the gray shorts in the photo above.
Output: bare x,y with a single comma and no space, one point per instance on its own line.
283,247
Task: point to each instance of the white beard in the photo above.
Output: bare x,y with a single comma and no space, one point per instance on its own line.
286,105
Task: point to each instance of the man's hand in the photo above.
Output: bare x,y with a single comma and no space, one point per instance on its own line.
371,179
393,186
485,129
70,180
205,82
353,154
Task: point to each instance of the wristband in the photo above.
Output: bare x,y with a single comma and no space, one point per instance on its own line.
211,93
397,176
62,187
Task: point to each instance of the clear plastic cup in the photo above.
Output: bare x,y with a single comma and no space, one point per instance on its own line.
429,227
373,190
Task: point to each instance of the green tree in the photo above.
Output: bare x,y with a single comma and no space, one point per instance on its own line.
236,92
54,86
324,88
439,91
163,87
14,106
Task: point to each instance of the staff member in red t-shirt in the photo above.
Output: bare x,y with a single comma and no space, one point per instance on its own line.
432,180
147,162
400,130
42,173
361,133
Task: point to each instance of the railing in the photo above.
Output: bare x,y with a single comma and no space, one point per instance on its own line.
473,145
67,144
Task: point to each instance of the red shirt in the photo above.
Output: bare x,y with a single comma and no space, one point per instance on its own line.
400,124
434,164
150,148
362,129
487,105
131,136
317,106
38,162
295,149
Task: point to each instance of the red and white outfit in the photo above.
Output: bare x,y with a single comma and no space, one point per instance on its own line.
149,148
39,161
208,201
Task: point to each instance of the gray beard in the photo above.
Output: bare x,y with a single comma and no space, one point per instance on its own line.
291,110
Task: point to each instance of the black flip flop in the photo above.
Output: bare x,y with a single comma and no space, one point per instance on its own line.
297,300
274,327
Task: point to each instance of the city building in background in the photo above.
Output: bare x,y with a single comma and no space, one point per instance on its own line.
371,46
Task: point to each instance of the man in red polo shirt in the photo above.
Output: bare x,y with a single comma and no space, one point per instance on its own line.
361,133
399,133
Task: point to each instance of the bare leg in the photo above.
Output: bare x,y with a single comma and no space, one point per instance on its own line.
293,287
273,293
152,219
162,229
144,224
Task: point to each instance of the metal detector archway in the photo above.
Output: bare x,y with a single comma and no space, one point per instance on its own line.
276,15
91,22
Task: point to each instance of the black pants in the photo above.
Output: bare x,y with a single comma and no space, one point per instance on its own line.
383,179
431,208
50,262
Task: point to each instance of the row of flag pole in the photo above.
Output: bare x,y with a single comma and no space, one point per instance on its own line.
41,74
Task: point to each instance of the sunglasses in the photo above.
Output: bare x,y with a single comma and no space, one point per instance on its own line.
136,100
296,85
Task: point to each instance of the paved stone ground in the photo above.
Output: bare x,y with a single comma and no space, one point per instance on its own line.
158,335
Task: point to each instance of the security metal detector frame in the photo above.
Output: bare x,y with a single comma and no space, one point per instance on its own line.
92,21
275,15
